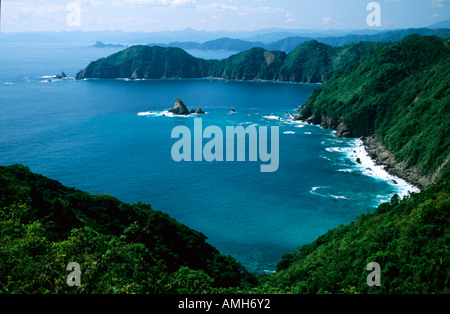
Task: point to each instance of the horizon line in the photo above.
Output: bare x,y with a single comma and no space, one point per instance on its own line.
230,31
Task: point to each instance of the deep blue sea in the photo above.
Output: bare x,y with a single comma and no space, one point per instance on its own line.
95,135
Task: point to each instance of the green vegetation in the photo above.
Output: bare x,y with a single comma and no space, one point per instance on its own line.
253,64
310,62
316,62
400,93
410,239
121,248
139,62
133,249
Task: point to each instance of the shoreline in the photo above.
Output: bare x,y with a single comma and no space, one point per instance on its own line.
384,160
206,78
370,167
383,157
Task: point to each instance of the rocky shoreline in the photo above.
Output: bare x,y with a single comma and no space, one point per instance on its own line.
383,157
377,152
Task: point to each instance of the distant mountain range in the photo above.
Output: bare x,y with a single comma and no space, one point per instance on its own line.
264,36
443,24
133,38
288,44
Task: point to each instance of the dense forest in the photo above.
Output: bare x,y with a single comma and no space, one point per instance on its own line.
310,62
409,238
121,248
398,93
125,248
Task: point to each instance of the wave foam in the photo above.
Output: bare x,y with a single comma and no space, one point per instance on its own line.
334,149
148,113
272,117
364,163
162,114
336,197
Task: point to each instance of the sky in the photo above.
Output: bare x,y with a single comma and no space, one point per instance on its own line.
215,15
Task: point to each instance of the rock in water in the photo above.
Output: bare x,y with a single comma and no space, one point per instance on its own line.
63,75
180,108
200,111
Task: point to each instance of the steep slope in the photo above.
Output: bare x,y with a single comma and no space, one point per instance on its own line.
399,95
310,62
253,64
122,248
409,239
143,62
396,97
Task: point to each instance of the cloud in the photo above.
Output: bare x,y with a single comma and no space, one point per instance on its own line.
440,3
25,16
26,8
216,7
171,3
329,22
292,20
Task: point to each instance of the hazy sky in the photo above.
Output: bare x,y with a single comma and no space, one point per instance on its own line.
158,15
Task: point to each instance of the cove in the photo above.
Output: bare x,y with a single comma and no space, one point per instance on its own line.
213,150
88,135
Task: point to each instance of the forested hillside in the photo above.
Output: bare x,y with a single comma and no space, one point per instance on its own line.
409,239
121,248
133,249
311,62
400,94
139,62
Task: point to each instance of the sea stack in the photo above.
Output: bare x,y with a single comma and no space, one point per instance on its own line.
180,108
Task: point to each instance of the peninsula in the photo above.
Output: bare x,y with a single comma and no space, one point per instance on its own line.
310,62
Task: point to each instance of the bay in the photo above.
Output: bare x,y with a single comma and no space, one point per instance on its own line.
90,135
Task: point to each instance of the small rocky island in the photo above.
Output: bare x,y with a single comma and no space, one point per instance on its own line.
180,109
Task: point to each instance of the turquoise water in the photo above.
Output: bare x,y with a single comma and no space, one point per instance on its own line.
89,135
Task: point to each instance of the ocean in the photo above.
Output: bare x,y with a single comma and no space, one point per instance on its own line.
114,137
